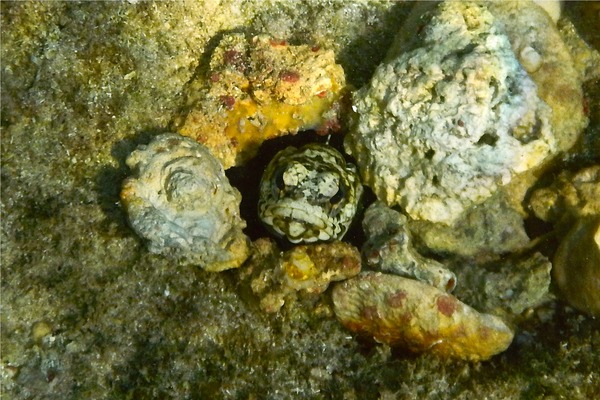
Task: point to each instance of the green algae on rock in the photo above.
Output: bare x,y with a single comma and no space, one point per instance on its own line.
487,231
505,287
180,200
407,313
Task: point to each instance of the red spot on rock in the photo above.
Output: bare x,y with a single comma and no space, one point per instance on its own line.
231,56
215,77
396,300
228,101
290,76
447,305
450,285
332,125
277,42
315,48
485,333
322,94
349,263
235,58
373,256
370,313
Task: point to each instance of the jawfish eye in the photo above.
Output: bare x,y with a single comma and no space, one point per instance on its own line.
278,177
338,196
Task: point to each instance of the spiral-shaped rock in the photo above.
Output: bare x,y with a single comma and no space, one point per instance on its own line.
181,202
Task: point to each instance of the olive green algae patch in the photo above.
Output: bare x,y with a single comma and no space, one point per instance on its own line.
87,312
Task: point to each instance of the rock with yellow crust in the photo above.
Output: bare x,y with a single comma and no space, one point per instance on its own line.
258,89
410,314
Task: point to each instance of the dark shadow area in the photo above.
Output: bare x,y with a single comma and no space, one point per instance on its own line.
365,53
535,228
584,15
109,179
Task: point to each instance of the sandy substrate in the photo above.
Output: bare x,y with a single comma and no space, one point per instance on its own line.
87,312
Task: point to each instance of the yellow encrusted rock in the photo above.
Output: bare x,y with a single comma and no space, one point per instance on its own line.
418,317
258,89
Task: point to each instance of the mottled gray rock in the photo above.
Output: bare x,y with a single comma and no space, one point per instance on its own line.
506,287
492,228
389,248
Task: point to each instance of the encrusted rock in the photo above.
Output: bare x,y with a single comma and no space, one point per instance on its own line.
585,57
407,313
557,77
258,89
570,196
552,7
389,248
491,229
181,202
442,126
276,277
452,116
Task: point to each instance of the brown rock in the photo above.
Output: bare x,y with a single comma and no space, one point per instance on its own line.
572,204
577,266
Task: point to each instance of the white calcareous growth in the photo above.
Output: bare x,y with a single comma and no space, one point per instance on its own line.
450,119
181,202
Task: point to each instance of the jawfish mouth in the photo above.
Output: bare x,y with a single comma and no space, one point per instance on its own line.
298,224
